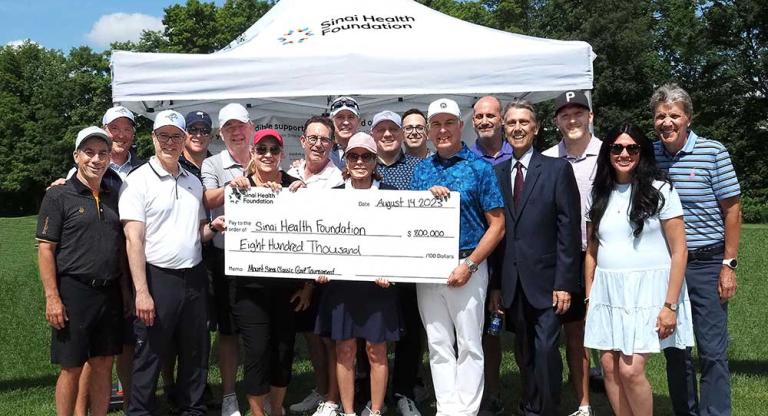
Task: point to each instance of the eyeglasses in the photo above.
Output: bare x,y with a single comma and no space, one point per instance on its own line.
195,131
273,150
413,129
632,149
314,139
165,138
365,157
344,103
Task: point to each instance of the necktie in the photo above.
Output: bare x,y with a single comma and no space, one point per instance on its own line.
517,191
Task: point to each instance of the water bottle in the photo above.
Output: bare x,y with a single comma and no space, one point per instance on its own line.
494,328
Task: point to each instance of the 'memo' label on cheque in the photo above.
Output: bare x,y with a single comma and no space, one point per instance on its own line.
403,236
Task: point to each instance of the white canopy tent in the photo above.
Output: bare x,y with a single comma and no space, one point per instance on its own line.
393,54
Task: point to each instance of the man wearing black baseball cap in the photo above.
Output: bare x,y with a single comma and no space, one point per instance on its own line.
573,117
199,131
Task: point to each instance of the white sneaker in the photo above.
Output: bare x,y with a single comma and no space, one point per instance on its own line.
327,409
368,412
308,404
583,412
229,406
268,407
406,406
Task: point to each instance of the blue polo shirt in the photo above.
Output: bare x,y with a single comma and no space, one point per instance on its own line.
505,153
703,176
398,174
474,179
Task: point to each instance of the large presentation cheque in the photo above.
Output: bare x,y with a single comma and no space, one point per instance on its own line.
404,236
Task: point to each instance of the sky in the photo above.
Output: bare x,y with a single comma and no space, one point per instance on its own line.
65,24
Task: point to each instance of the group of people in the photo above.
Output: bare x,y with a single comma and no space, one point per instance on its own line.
627,245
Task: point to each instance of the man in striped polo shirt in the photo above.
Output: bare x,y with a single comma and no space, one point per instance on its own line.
701,171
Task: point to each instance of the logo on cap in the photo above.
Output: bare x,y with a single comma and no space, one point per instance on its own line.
443,105
123,110
172,116
569,95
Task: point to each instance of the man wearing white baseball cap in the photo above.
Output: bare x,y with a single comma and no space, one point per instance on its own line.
237,131
396,169
80,254
453,313
165,222
119,123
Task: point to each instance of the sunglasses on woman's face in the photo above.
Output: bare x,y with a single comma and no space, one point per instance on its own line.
365,157
632,149
273,150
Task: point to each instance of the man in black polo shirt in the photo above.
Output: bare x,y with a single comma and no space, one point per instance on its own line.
81,250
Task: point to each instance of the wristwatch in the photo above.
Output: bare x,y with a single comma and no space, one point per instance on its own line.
471,265
211,227
732,263
671,306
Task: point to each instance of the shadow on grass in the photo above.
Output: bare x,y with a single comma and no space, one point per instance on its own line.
749,367
22,383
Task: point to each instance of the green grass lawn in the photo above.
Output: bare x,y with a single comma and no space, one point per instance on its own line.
27,378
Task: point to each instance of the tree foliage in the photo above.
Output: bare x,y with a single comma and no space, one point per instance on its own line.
716,49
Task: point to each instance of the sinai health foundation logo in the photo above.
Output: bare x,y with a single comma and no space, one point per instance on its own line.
295,36
349,23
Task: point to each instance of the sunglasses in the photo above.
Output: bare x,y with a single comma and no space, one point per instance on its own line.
198,131
344,103
632,149
273,150
365,157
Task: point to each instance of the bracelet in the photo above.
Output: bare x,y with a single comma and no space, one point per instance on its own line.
586,300
210,227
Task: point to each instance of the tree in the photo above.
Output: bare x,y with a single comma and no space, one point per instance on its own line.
199,27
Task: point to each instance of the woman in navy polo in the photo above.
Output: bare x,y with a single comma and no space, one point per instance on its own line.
351,310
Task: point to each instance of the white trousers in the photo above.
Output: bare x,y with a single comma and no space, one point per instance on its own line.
455,314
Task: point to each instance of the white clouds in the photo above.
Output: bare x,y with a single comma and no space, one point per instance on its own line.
18,42
121,27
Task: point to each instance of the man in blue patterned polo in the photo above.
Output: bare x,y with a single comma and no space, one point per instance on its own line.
453,313
702,173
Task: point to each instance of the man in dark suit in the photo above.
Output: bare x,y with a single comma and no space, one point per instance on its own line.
536,267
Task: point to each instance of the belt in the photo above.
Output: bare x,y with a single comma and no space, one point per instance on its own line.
707,252
96,282
463,254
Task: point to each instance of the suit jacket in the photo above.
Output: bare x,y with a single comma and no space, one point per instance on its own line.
542,244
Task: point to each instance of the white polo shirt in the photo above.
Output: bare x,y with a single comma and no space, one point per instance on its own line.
327,178
171,209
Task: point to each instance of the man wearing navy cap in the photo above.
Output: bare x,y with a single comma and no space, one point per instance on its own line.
80,254
199,131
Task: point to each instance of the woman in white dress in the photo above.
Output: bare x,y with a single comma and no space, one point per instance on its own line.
634,269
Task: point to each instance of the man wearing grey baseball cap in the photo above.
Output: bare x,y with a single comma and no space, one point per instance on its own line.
80,254
165,222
